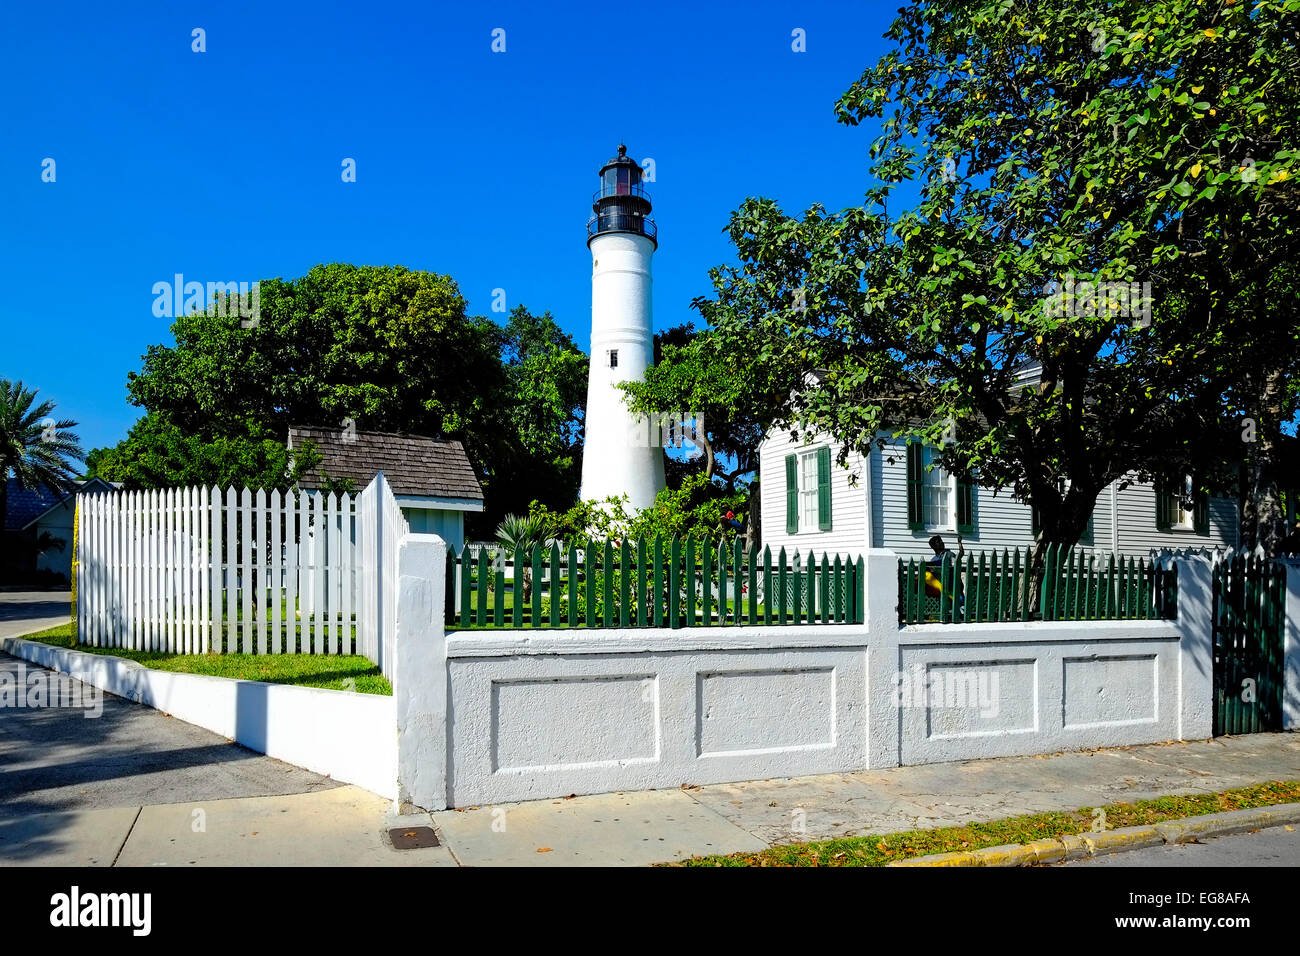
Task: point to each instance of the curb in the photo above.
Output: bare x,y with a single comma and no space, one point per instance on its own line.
1083,845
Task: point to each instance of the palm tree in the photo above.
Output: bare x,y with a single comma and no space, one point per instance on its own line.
33,446
524,533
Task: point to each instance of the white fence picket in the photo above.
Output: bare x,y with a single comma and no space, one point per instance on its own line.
216,587
192,572
172,588
332,588
316,589
246,572
291,573
137,570
276,571
347,583
188,562
259,543
232,571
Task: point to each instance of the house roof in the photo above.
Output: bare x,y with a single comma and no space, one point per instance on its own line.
26,506
412,464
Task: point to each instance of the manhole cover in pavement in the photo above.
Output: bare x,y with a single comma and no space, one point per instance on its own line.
412,838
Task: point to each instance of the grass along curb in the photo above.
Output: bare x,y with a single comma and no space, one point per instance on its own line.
1114,841
327,671
1040,837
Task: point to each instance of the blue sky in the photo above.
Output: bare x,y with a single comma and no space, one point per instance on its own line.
225,165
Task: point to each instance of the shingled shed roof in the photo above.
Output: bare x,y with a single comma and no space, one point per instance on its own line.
413,465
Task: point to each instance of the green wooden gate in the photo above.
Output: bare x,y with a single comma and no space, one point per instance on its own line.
1249,618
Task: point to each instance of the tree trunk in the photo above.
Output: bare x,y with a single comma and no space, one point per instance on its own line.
1062,522
1263,518
754,532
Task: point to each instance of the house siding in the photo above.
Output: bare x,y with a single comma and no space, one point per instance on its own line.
448,525
1137,524
1000,521
848,534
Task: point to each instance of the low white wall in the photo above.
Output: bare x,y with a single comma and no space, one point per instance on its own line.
640,710
343,735
998,690
537,714
631,710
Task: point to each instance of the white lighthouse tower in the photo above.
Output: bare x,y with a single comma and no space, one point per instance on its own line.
622,455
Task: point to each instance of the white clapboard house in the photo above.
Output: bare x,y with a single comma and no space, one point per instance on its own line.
897,497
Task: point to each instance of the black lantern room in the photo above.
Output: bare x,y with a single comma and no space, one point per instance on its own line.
621,204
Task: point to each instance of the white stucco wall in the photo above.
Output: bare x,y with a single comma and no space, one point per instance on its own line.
1291,650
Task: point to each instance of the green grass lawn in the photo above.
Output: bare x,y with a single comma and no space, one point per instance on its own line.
884,849
341,672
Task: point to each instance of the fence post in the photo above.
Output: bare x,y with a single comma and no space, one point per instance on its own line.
420,671
1291,648
1196,647
880,569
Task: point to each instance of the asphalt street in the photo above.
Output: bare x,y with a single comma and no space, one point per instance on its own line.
1276,846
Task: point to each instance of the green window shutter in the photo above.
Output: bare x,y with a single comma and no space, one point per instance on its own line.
1201,512
791,494
915,487
1086,537
1035,525
824,489
965,507
1164,509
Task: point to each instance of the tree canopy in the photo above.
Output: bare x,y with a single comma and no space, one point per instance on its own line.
1069,159
385,347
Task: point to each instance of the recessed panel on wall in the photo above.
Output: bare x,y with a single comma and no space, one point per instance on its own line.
574,722
974,698
765,711
1110,690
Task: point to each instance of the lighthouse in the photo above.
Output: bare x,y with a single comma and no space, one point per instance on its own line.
622,453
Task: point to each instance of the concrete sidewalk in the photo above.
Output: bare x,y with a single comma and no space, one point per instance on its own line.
642,828
136,787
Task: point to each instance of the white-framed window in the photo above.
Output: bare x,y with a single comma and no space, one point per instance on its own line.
808,491
1183,517
613,358
939,494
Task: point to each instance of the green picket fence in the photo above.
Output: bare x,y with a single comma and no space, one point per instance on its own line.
1078,585
650,583
1249,627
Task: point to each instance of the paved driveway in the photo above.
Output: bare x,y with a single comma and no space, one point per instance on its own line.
73,773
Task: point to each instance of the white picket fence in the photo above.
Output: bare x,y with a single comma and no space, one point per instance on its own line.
195,570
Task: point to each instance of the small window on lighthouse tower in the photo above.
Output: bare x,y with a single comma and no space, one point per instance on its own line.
613,358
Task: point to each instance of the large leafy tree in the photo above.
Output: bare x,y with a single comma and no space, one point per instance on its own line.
543,405
1049,142
385,347
36,449
158,453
